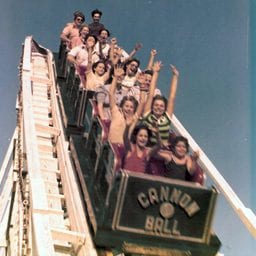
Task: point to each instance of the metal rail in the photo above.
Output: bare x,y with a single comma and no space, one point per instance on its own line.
245,214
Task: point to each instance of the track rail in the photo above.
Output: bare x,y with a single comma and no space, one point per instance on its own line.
53,217
245,214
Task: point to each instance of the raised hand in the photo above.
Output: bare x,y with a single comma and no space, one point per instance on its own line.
174,70
195,155
138,46
118,71
153,52
157,66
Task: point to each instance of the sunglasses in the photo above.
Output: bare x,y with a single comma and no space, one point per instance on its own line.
79,19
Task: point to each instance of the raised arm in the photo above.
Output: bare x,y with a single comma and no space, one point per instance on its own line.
89,65
155,149
106,76
118,71
153,53
114,57
137,47
156,69
173,90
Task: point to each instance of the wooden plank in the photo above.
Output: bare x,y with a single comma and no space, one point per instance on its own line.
66,235
41,110
44,141
41,116
47,176
49,163
57,172
55,204
40,94
57,221
51,188
37,110
42,99
41,102
40,87
45,149
41,79
45,122
44,135
47,211
49,129
56,196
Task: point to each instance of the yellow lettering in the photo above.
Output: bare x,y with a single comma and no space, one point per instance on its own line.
149,224
175,231
164,193
185,200
165,229
192,209
175,196
153,196
142,198
158,225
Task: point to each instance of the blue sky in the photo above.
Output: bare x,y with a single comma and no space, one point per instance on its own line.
208,41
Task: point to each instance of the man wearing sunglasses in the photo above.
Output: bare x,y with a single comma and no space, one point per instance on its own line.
72,29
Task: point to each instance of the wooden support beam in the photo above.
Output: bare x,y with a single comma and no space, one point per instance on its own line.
67,235
43,81
48,211
49,129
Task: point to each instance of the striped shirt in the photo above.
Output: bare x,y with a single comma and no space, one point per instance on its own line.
164,123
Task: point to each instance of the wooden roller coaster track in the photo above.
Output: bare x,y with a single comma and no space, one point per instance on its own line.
41,207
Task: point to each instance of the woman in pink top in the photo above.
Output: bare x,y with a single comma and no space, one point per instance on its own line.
137,151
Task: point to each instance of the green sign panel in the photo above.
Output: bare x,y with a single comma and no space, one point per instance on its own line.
165,208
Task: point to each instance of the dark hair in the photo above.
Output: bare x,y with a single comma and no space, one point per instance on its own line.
159,97
94,65
79,14
178,139
129,98
104,29
91,35
136,130
130,61
96,11
148,72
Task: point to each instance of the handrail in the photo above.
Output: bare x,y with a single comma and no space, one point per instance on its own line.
245,214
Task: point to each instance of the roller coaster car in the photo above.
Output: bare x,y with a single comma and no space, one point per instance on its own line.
133,212
145,214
